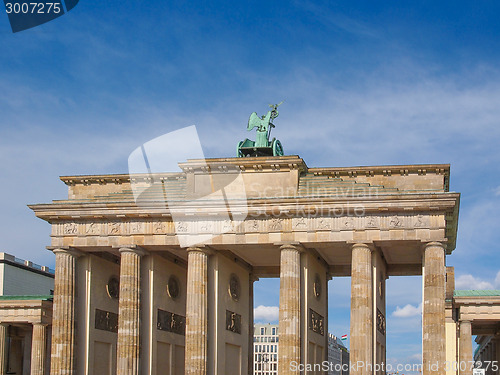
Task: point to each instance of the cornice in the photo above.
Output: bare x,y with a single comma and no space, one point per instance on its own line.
434,202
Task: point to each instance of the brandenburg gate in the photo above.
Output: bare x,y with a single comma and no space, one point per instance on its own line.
161,285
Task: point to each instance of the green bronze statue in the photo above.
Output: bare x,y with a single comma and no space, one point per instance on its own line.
262,146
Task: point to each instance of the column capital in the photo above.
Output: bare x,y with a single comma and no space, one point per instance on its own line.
366,245
201,249
291,246
40,324
132,249
66,250
434,244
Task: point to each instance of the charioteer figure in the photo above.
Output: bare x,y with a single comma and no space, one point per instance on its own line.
262,146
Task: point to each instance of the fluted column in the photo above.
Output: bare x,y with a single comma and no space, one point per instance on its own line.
361,343
63,315
196,312
433,321
465,348
497,353
252,279
289,309
38,349
3,349
129,307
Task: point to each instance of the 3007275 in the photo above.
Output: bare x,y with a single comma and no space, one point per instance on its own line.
33,8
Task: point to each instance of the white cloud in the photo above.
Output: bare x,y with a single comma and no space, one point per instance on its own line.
407,311
497,280
469,282
267,314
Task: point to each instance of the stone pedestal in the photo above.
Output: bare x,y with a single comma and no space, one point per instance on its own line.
465,348
128,344
3,349
63,317
196,312
361,310
433,320
38,349
289,309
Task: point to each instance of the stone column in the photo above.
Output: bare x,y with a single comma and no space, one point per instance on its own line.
361,310
497,353
433,320
129,307
252,279
465,348
196,312
63,313
38,349
289,310
3,349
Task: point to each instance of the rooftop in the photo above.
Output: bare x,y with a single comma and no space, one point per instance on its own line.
476,293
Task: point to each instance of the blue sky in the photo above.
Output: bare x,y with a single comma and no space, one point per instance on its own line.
365,83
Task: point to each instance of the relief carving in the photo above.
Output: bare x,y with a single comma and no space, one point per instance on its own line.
396,222
380,322
419,222
234,288
171,322
233,322
70,228
372,222
323,223
159,228
106,321
114,228
113,287
135,227
316,322
276,224
299,223
348,222
181,226
92,229
173,287
227,226
317,287
206,227
252,225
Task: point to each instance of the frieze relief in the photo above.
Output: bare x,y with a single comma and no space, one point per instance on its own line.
275,224
251,225
300,223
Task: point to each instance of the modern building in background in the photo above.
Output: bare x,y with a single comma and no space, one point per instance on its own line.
265,349
26,295
19,277
338,355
